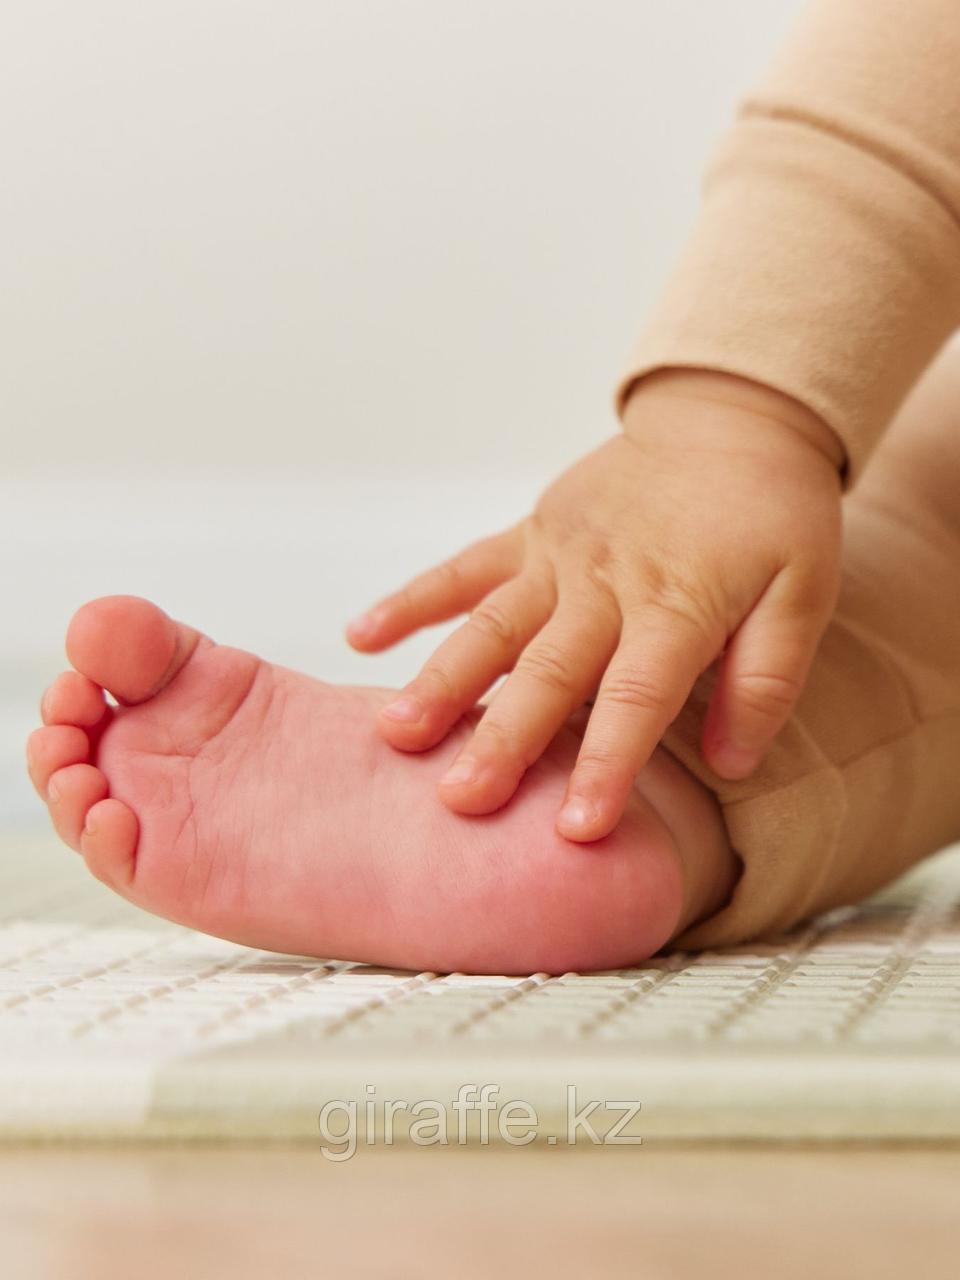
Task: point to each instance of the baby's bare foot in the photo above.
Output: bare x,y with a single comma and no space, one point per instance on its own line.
260,805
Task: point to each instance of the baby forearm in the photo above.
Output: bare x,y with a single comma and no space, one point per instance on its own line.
826,259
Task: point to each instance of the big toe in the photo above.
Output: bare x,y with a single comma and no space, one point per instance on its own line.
128,645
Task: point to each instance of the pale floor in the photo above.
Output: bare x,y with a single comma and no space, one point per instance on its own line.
651,1211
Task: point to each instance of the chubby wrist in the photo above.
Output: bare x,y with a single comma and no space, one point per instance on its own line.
714,388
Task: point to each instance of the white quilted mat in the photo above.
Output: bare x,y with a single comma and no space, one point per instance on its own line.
113,1024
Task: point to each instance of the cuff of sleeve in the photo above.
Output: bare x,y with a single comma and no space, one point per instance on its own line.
816,268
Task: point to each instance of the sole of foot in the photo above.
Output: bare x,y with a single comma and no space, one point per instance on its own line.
260,805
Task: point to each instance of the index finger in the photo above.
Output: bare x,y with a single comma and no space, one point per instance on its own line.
447,589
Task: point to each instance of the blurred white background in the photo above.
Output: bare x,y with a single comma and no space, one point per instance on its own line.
299,297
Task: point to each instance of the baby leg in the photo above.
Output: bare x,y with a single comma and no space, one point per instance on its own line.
864,779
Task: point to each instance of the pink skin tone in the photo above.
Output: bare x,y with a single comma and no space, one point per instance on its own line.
260,805
606,591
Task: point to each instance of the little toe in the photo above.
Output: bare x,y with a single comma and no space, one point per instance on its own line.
53,748
71,793
73,699
108,842
129,646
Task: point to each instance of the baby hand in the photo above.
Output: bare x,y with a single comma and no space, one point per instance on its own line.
711,528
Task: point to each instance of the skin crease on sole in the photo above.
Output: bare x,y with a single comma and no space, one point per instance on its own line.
260,805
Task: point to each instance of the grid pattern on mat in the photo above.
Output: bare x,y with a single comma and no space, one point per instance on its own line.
85,979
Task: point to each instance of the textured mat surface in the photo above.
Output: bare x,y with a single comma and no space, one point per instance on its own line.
114,1024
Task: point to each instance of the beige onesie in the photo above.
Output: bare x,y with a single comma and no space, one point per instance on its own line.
826,263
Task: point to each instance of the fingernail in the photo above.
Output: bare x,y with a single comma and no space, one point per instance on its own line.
405,710
53,793
90,827
577,813
733,761
462,771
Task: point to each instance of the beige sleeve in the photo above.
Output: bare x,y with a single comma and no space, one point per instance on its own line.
864,779
826,258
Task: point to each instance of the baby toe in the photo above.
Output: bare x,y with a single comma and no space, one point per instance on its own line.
71,793
53,748
73,699
108,843
129,646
